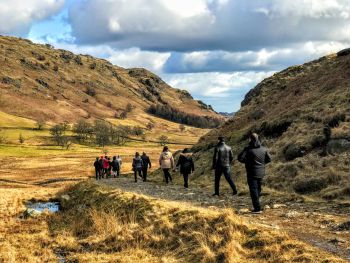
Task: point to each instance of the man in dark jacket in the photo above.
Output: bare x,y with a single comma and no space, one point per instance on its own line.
255,156
97,168
222,164
146,163
186,165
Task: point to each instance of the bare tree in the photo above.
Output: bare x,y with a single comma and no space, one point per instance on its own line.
163,140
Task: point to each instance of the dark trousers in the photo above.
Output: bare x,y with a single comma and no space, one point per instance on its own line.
185,180
97,173
227,173
139,172
255,191
167,175
144,174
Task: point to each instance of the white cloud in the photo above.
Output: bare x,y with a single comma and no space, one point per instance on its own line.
228,25
16,16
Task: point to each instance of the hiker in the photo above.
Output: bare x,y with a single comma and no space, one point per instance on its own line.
137,166
146,163
255,156
166,162
109,170
115,167
119,159
101,167
222,159
186,165
105,166
97,168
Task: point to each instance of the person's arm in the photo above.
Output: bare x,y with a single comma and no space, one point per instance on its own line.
214,158
230,156
178,162
192,165
267,157
172,162
242,157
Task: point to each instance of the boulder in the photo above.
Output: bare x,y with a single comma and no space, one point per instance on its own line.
337,146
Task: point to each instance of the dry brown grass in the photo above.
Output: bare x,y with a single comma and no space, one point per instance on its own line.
111,226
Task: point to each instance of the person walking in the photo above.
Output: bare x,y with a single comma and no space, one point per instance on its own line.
137,166
105,166
166,162
222,159
146,164
101,167
97,168
255,157
186,165
115,167
119,159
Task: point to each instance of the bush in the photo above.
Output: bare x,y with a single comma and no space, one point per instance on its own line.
90,91
310,185
274,129
293,151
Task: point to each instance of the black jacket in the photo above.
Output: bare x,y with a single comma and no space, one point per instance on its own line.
186,163
115,165
255,156
223,156
146,161
97,165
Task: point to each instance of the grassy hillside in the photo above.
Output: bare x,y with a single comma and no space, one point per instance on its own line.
42,83
303,116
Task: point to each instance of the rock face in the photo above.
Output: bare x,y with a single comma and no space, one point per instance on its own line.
344,52
336,146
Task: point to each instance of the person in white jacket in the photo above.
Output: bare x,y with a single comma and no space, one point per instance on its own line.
166,162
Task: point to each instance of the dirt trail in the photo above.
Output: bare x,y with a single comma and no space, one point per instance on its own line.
313,222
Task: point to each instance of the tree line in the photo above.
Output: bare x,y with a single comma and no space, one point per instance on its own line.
172,114
100,132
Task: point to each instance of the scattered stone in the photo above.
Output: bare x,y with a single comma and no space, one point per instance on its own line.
64,200
244,211
30,212
291,214
277,206
267,207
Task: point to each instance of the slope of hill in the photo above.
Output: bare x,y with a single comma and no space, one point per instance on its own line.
39,82
303,115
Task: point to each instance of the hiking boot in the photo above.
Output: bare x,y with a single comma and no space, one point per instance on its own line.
234,192
256,212
215,194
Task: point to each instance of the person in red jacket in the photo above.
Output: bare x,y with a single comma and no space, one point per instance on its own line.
105,166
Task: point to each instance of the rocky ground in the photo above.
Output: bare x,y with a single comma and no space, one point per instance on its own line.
323,224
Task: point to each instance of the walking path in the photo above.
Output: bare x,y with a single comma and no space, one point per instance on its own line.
322,224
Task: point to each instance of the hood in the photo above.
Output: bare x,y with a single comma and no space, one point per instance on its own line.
256,144
186,155
167,154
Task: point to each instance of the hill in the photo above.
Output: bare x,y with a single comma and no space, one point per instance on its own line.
303,115
40,82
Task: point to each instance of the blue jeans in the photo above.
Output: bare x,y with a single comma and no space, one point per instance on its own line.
255,191
227,173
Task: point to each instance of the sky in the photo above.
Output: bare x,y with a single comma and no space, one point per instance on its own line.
216,49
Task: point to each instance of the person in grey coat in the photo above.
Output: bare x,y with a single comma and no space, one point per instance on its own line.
137,166
255,156
222,159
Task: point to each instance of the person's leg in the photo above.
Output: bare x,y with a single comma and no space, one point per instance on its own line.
135,176
227,174
118,172
217,180
140,173
166,173
185,180
96,174
145,174
254,193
